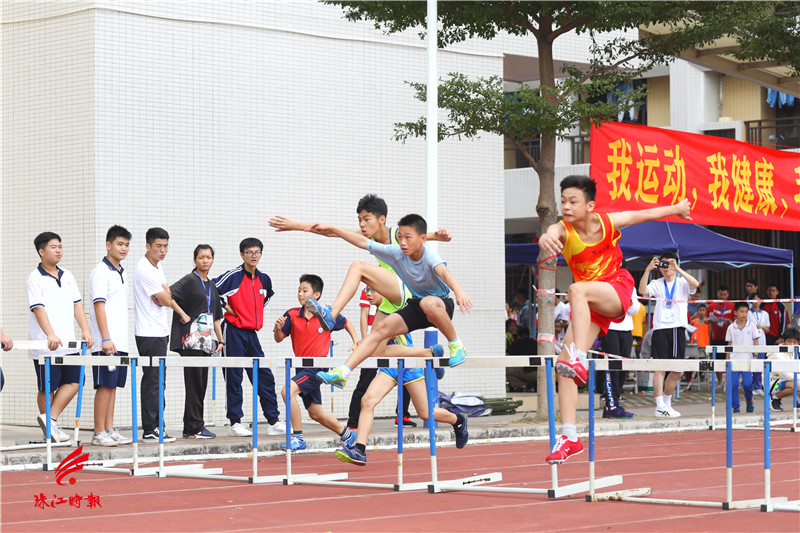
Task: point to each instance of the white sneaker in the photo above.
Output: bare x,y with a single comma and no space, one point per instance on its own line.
276,429
55,431
103,439
238,430
667,412
119,439
758,392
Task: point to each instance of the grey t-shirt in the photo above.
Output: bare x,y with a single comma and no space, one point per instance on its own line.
418,276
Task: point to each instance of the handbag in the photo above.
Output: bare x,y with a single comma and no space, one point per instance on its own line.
199,337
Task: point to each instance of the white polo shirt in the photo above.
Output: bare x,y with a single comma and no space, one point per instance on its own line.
674,315
151,318
58,297
746,336
109,285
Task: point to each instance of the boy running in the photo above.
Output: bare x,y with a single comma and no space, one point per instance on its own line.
602,290
418,268
309,339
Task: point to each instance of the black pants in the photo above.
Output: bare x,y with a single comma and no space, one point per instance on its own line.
152,347
367,375
610,384
195,381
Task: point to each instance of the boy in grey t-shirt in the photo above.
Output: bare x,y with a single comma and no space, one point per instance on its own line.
419,269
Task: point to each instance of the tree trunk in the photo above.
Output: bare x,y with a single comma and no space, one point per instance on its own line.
546,209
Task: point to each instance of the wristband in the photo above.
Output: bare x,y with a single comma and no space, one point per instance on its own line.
106,340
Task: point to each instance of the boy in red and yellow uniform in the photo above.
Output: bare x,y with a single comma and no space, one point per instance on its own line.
602,290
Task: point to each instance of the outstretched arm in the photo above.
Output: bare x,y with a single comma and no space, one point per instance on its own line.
463,301
281,223
441,235
356,239
630,218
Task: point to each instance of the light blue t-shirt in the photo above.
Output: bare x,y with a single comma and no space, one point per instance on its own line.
418,276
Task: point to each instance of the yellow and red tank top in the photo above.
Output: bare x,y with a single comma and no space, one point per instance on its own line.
593,262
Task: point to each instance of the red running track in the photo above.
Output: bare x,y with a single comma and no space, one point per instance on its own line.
687,466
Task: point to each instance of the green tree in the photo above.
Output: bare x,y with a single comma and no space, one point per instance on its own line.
763,31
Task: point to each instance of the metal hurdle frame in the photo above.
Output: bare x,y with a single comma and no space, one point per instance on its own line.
42,345
431,388
767,349
555,491
199,471
638,495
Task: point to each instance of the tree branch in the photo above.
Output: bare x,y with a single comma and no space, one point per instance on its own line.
568,27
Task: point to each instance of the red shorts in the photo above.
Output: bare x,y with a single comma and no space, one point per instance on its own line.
623,283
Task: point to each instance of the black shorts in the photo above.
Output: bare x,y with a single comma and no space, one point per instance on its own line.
669,343
309,384
104,377
415,318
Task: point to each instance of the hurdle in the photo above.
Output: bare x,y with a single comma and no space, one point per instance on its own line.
400,485
31,445
200,472
795,350
638,495
554,491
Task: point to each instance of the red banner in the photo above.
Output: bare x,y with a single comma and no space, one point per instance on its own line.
728,183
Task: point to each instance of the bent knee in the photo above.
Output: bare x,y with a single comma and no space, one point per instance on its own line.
369,402
431,303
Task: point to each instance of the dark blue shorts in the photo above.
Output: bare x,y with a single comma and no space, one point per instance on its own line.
309,385
59,375
103,377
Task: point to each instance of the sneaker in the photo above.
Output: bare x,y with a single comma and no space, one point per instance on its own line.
775,404
407,422
462,435
333,377
352,455
617,412
152,436
736,410
276,429
202,434
56,432
238,430
667,412
56,435
351,441
295,444
103,439
563,450
574,370
119,439
758,392
751,408
323,313
458,354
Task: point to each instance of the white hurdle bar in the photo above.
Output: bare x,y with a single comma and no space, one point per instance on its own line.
768,503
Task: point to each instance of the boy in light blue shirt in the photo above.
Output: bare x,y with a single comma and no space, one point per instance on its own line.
419,269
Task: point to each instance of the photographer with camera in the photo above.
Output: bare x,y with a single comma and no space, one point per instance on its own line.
670,319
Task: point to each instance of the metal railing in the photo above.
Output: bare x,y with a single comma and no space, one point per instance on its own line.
779,133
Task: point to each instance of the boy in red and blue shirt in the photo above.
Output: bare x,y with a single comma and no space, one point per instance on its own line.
310,339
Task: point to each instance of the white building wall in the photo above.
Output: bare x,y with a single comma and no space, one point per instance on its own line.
208,118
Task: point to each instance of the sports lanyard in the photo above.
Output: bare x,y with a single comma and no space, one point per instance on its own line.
669,293
208,296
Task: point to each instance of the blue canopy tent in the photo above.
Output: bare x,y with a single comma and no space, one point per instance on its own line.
696,246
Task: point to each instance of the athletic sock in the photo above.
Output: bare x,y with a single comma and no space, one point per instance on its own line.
580,355
346,370
362,447
345,434
299,435
668,400
660,403
455,342
570,431
459,421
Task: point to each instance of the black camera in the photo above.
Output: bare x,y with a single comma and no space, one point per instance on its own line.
663,264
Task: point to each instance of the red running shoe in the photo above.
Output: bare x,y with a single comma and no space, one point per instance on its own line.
574,370
563,450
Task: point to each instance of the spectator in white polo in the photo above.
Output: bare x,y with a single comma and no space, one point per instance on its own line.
108,289
55,303
152,298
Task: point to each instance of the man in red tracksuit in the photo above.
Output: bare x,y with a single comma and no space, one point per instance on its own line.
245,292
